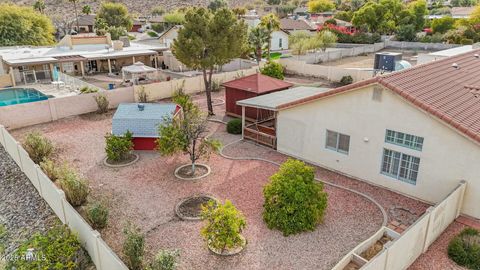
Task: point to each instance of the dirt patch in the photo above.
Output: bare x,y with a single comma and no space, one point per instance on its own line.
352,266
94,116
191,208
376,248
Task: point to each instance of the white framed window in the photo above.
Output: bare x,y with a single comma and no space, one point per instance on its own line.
337,142
404,139
400,166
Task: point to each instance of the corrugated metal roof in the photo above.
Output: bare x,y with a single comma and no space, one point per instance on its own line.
258,83
274,100
141,123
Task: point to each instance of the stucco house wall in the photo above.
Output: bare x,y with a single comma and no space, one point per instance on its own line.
278,45
446,158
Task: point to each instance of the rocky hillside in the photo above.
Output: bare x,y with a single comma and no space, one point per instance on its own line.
139,7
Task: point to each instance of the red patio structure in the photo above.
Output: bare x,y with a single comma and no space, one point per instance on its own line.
248,87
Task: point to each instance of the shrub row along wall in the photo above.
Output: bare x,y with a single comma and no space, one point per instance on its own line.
403,251
101,254
330,73
347,50
192,85
26,114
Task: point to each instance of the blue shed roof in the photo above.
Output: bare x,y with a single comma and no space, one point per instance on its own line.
141,123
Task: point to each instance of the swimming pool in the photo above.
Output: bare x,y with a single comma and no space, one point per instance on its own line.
12,96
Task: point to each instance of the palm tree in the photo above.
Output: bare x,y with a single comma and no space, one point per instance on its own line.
258,39
86,10
40,6
76,13
271,23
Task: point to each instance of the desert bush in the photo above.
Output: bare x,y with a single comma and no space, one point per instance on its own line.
142,95
118,148
59,248
464,249
102,103
133,246
273,69
224,225
3,236
165,260
294,201
216,85
234,126
97,214
50,169
346,80
38,147
87,90
75,188
158,27
152,34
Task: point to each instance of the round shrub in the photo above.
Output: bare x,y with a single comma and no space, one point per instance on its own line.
133,247
97,215
294,201
346,80
118,147
75,188
234,126
464,249
165,260
50,169
59,248
273,69
38,147
224,225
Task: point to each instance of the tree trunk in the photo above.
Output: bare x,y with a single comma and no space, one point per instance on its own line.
259,55
269,45
76,15
207,78
192,156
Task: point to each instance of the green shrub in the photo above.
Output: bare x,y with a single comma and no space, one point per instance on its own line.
346,80
102,103
273,69
3,240
464,249
224,224
97,214
133,246
152,34
49,167
142,95
118,148
216,85
38,147
88,90
294,201
165,260
75,188
158,27
58,249
234,126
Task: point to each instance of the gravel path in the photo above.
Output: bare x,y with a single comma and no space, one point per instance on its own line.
22,210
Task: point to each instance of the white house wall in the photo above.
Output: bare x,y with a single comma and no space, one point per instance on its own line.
276,36
446,158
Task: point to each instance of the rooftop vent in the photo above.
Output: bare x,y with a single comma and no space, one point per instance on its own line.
455,65
476,55
141,107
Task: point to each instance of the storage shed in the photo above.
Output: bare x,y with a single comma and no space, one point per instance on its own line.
143,121
249,87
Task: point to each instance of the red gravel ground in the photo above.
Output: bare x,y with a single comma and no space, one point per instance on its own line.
436,256
146,192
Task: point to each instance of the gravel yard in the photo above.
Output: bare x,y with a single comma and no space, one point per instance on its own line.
22,210
146,193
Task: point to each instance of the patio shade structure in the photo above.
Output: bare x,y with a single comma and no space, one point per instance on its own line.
136,71
248,87
264,131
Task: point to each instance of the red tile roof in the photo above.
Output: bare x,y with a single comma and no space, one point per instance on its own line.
258,83
451,94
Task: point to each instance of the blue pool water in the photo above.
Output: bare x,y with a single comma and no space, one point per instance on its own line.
12,96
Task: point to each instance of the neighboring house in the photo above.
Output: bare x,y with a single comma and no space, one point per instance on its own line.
279,41
416,132
143,121
86,24
290,25
75,55
167,37
137,25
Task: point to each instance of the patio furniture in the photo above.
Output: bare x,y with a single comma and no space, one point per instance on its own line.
138,72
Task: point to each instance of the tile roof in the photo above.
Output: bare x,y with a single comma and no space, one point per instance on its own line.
451,94
291,24
258,83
